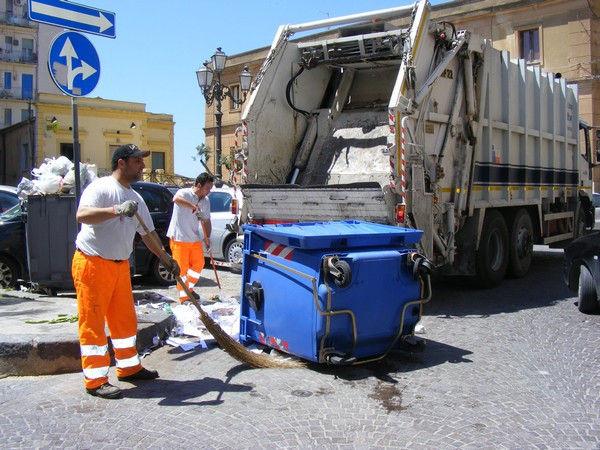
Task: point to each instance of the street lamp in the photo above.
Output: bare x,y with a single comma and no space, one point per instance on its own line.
214,91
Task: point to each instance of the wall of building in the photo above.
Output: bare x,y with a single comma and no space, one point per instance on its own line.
103,125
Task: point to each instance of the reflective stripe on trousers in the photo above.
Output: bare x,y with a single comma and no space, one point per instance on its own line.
190,257
104,297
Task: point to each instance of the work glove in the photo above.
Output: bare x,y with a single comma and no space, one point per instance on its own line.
128,208
208,247
196,211
172,266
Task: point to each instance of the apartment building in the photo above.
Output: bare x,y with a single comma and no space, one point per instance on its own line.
560,36
36,120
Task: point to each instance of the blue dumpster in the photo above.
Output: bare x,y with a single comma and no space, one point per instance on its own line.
331,292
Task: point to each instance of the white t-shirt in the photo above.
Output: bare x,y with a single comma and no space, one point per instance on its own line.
184,225
111,239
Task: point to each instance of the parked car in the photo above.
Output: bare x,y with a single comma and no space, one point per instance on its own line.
581,270
8,197
13,250
223,213
159,200
13,253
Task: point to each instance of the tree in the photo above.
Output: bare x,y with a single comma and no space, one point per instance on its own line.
204,153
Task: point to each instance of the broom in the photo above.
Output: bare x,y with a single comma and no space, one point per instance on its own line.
230,345
212,261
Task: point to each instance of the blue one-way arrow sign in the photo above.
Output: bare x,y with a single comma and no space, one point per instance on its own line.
65,14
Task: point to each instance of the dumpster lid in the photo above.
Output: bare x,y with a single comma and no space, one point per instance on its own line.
343,234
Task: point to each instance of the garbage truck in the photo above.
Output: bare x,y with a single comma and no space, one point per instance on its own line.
425,127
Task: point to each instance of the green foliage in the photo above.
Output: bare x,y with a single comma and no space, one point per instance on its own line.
204,153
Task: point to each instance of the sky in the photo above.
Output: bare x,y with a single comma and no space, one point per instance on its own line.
160,44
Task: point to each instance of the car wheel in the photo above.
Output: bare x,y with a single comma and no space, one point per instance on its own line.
9,274
588,298
160,274
234,251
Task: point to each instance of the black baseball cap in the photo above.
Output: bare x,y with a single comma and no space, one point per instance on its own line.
125,151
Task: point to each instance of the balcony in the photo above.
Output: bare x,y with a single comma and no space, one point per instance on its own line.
24,56
10,18
16,93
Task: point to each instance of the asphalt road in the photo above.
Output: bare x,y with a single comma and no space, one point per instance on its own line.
514,367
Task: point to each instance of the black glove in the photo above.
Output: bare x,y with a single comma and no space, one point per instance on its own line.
172,266
128,208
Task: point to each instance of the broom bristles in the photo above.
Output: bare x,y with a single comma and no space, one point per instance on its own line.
231,346
241,353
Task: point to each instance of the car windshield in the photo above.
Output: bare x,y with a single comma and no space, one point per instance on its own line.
11,214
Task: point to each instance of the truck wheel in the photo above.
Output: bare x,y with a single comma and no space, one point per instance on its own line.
588,298
493,251
160,274
8,273
521,244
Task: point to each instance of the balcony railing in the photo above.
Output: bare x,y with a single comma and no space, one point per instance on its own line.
23,56
16,93
16,20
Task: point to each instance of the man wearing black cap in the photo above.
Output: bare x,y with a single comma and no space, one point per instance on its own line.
101,272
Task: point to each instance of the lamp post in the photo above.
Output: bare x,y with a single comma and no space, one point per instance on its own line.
214,91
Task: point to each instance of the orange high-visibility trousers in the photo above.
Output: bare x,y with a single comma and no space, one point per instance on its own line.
190,257
105,297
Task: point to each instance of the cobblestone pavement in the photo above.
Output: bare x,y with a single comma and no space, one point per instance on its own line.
514,367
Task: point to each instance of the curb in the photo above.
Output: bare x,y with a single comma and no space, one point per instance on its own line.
43,350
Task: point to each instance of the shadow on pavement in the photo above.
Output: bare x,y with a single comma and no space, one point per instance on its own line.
543,286
397,361
184,393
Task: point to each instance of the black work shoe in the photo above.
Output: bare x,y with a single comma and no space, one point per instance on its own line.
143,374
189,302
107,390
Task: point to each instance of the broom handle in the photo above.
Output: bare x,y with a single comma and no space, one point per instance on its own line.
234,348
212,261
164,258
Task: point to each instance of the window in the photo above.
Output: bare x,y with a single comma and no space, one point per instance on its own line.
26,86
66,149
219,202
7,117
235,93
27,49
158,160
25,114
7,81
529,45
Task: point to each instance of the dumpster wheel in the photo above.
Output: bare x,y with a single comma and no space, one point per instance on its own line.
340,272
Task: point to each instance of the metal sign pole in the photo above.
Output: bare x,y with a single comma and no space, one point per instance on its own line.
76,150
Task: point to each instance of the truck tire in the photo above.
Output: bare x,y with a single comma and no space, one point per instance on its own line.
521,244
493,251
586,293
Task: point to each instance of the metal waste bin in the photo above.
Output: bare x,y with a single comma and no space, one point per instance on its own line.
332,292
50,232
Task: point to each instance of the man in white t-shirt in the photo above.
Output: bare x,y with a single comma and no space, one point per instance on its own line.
100,269
191,206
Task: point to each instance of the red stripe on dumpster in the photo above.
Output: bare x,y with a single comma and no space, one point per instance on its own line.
279,250
276,343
